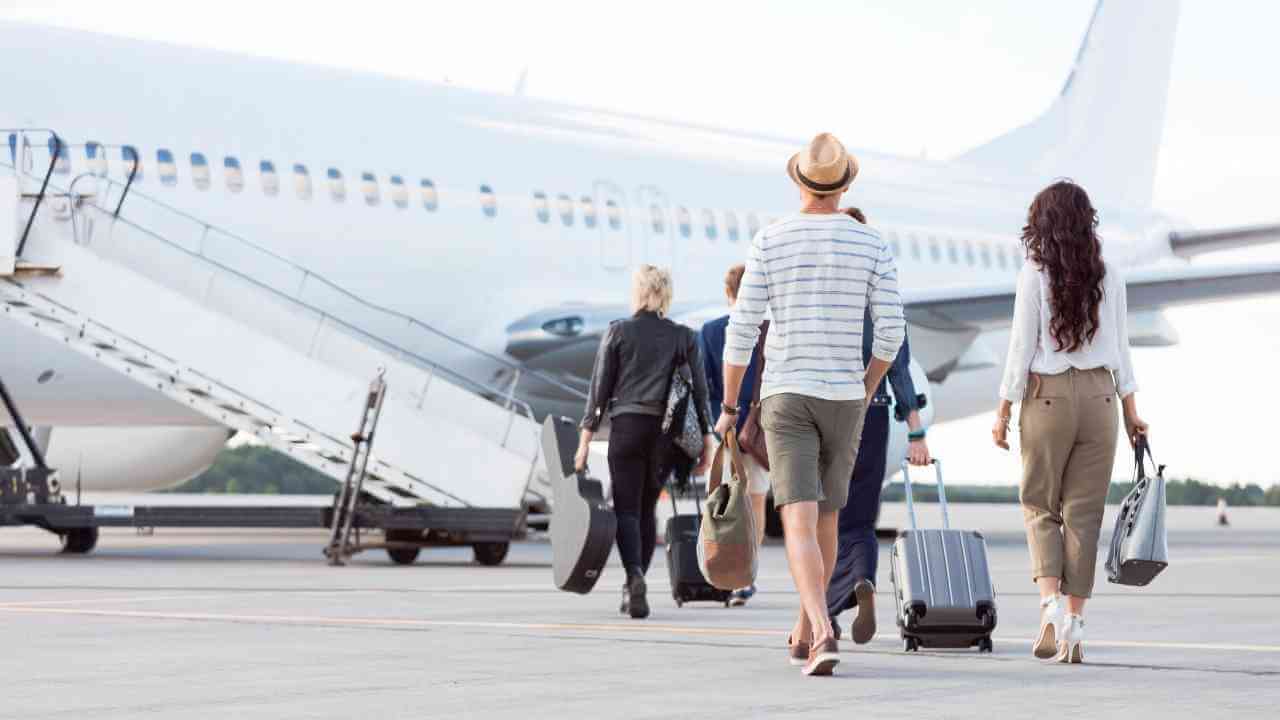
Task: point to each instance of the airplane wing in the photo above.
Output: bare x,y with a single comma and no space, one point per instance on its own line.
952,309
1188,244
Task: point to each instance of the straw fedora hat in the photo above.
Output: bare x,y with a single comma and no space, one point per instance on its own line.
823,168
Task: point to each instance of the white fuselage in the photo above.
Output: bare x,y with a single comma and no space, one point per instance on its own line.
579,197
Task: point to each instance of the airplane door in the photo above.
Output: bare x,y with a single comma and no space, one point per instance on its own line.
614,224
653,214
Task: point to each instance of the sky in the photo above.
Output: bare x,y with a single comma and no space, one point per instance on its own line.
912,77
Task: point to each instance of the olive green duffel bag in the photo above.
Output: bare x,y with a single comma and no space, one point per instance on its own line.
727,549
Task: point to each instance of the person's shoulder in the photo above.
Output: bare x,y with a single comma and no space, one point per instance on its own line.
715,324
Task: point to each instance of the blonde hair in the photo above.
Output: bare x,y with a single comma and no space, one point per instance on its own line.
733,280
651,289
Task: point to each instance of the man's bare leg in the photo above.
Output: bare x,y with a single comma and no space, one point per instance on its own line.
805,556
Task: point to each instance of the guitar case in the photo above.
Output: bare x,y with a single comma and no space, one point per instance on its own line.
583,526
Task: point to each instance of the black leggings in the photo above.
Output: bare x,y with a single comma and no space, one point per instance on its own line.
634,458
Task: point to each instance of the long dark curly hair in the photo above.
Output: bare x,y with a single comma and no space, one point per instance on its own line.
1061,237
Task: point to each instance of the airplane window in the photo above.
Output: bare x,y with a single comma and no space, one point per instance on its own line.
199,171
614,213
915,247
369,187
985,251
656,219
731,226
564,206
167,168
96,155
753,224
894,246
430,198
709,221
302,181
235,176
270,181
132,162
1001,258
488,201
588,211
399,194
685,221
541,208
62,165
935,250
13,148
953,254
969,257
337,188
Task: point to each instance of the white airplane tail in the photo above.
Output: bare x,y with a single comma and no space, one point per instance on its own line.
1104,128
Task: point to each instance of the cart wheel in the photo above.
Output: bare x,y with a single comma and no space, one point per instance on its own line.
403,556
79,541
491,553
985,646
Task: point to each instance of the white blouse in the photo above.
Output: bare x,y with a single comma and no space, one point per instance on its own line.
1033,350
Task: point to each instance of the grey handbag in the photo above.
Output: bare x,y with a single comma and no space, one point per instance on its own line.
1139,544
680,419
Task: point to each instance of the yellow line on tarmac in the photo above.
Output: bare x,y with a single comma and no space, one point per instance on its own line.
579,627
389,622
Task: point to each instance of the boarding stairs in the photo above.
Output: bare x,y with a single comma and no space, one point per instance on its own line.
253,341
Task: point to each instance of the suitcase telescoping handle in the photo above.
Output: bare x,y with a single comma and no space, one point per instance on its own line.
942,493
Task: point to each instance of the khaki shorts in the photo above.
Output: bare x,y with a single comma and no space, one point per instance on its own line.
812,446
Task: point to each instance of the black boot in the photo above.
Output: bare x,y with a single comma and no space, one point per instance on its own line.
638,605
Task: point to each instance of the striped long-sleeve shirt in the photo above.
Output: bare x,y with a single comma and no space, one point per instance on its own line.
817,274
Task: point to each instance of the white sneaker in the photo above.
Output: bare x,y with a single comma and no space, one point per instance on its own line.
1071,646
1051,627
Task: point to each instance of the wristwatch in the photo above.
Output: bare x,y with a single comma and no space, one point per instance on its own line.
915,435
729,409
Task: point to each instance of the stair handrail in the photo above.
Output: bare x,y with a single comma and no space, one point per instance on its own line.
309,274
58,148
504,395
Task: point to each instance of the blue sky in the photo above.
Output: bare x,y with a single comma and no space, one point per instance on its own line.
911,77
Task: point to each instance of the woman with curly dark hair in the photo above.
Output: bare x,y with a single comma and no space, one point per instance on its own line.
1068,362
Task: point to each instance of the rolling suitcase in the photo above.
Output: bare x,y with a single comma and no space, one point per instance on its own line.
583,525
943,596
681,538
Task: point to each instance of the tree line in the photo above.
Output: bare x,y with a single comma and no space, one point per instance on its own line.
254,469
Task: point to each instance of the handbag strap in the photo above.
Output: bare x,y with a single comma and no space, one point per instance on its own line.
764,336
735,462
1143,447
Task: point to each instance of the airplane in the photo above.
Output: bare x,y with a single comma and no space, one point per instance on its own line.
510,225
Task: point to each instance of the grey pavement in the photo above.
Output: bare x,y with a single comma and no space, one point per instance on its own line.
201,624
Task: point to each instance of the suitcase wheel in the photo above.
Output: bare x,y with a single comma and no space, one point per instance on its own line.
679,603
910,644
985,646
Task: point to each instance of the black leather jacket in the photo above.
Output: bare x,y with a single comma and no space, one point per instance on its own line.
633,369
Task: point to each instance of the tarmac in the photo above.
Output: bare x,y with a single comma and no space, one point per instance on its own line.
246,625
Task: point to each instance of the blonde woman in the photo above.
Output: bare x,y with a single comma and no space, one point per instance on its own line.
629,389
1068,365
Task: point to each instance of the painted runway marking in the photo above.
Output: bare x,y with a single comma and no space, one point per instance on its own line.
303,620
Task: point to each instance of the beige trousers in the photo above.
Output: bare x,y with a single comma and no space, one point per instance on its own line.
1068,426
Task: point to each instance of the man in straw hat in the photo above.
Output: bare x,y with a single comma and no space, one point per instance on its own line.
815,271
